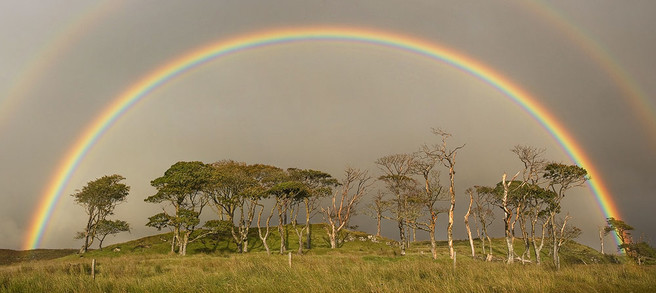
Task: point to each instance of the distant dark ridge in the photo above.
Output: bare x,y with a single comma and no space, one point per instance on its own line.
8,256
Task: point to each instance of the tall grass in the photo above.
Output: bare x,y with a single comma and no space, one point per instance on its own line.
330,272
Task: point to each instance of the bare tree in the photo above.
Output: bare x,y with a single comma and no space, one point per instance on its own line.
354,186
397,170
507,217
566,233
448,158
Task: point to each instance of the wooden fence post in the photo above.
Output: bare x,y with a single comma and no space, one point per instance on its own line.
93,268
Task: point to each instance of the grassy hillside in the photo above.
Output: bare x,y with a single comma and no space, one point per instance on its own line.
144,265
8,256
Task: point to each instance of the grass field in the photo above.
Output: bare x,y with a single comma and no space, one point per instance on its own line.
360,265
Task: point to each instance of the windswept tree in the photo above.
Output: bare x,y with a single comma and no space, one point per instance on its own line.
483,200
344,201
184,189
378,206
561,178
397,172
320,185
287,194
110,227
99,198
507,200
534,163
540,203
622,230
233,194
447,156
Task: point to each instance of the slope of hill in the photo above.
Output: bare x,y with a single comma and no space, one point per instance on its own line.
8,256
354,242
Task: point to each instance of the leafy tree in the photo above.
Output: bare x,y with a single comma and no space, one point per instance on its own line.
561,178
107,227
184,188
234,193
286,194
483,200
99,198
397,170
320,185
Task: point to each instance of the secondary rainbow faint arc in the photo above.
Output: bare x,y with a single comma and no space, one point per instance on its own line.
94,131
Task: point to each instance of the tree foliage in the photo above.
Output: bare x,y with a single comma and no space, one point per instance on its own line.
99,198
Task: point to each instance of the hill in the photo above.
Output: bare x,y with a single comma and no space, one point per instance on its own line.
8,256
362,264
354,242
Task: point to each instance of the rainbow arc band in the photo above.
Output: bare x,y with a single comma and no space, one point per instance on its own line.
191,60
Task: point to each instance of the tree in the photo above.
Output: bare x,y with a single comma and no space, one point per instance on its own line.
354,186
287,194
534,163
396,169
183,187
376,208
99,198
107,227
470,191
233,193
320,185
423,165
540,203
505,200
483,212
448,158
560,179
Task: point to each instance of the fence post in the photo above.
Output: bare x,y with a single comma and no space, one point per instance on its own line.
93,268
290,259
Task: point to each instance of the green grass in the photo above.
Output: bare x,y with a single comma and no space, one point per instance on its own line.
144,265
330,272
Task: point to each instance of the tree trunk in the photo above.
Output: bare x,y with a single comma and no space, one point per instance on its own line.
556,257
308,232
507,221
431,233
452,192
378,225
402,236
601,239
471,240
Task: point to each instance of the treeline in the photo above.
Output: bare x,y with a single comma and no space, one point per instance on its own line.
413,198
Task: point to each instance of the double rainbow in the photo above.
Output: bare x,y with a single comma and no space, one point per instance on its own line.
189,61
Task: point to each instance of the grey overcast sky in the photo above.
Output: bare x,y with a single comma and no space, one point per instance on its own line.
320,105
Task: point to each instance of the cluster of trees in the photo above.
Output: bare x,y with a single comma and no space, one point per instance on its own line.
236,193
414,192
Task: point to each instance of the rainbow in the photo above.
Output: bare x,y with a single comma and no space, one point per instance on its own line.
642,105
139,90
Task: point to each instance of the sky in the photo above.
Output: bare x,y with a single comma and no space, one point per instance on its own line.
321,105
